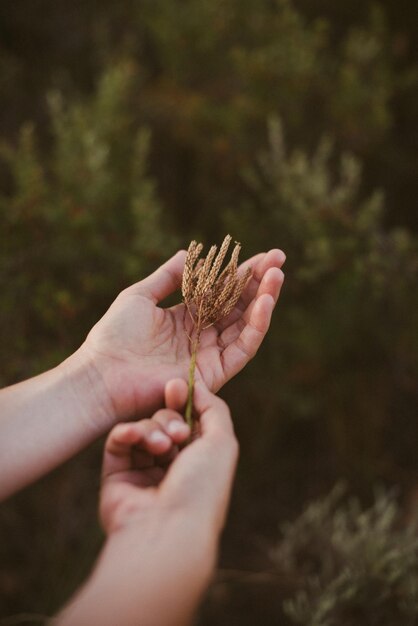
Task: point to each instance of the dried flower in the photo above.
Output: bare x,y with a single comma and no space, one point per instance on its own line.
209,294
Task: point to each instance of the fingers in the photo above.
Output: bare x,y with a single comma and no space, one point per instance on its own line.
271,285
164,280
273,258
145,437
241,337
176,394
267,277
214,413
237,354
170,419
136,445
173,425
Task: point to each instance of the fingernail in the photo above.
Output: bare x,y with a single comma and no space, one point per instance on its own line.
157,437
177,428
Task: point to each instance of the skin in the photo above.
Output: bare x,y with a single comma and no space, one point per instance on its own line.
127,353
163,511
120,371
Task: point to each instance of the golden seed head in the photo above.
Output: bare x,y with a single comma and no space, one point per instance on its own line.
209,293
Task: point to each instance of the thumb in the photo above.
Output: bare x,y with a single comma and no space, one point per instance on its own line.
166,279
200,478
215,417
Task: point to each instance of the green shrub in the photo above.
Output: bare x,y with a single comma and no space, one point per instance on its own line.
79,224
346,342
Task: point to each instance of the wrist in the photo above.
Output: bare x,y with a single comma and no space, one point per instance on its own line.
88,392
175,560
49,418
160,523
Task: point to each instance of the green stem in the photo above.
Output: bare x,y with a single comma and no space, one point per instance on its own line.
192,369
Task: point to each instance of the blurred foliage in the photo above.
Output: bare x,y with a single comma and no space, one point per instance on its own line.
351,566
126,129
79,223
351,310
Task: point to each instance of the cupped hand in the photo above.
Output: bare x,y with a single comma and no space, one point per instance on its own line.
163,510
138,345
145,473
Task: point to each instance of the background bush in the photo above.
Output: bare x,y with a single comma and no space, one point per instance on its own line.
129,128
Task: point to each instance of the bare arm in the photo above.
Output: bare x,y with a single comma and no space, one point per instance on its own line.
46,420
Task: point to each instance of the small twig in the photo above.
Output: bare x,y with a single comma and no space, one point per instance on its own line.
192,369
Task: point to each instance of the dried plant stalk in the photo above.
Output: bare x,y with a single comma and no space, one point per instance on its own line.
209,295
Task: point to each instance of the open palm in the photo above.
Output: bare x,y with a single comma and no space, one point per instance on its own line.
138,346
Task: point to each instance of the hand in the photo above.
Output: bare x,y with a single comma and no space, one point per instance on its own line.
138,346
145,474
163,511
121,369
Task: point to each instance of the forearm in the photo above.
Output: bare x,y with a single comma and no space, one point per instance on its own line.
150,574
46,420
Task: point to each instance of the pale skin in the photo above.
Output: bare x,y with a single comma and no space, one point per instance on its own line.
163,511
121,369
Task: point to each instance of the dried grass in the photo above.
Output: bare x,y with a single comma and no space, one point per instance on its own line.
209,293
